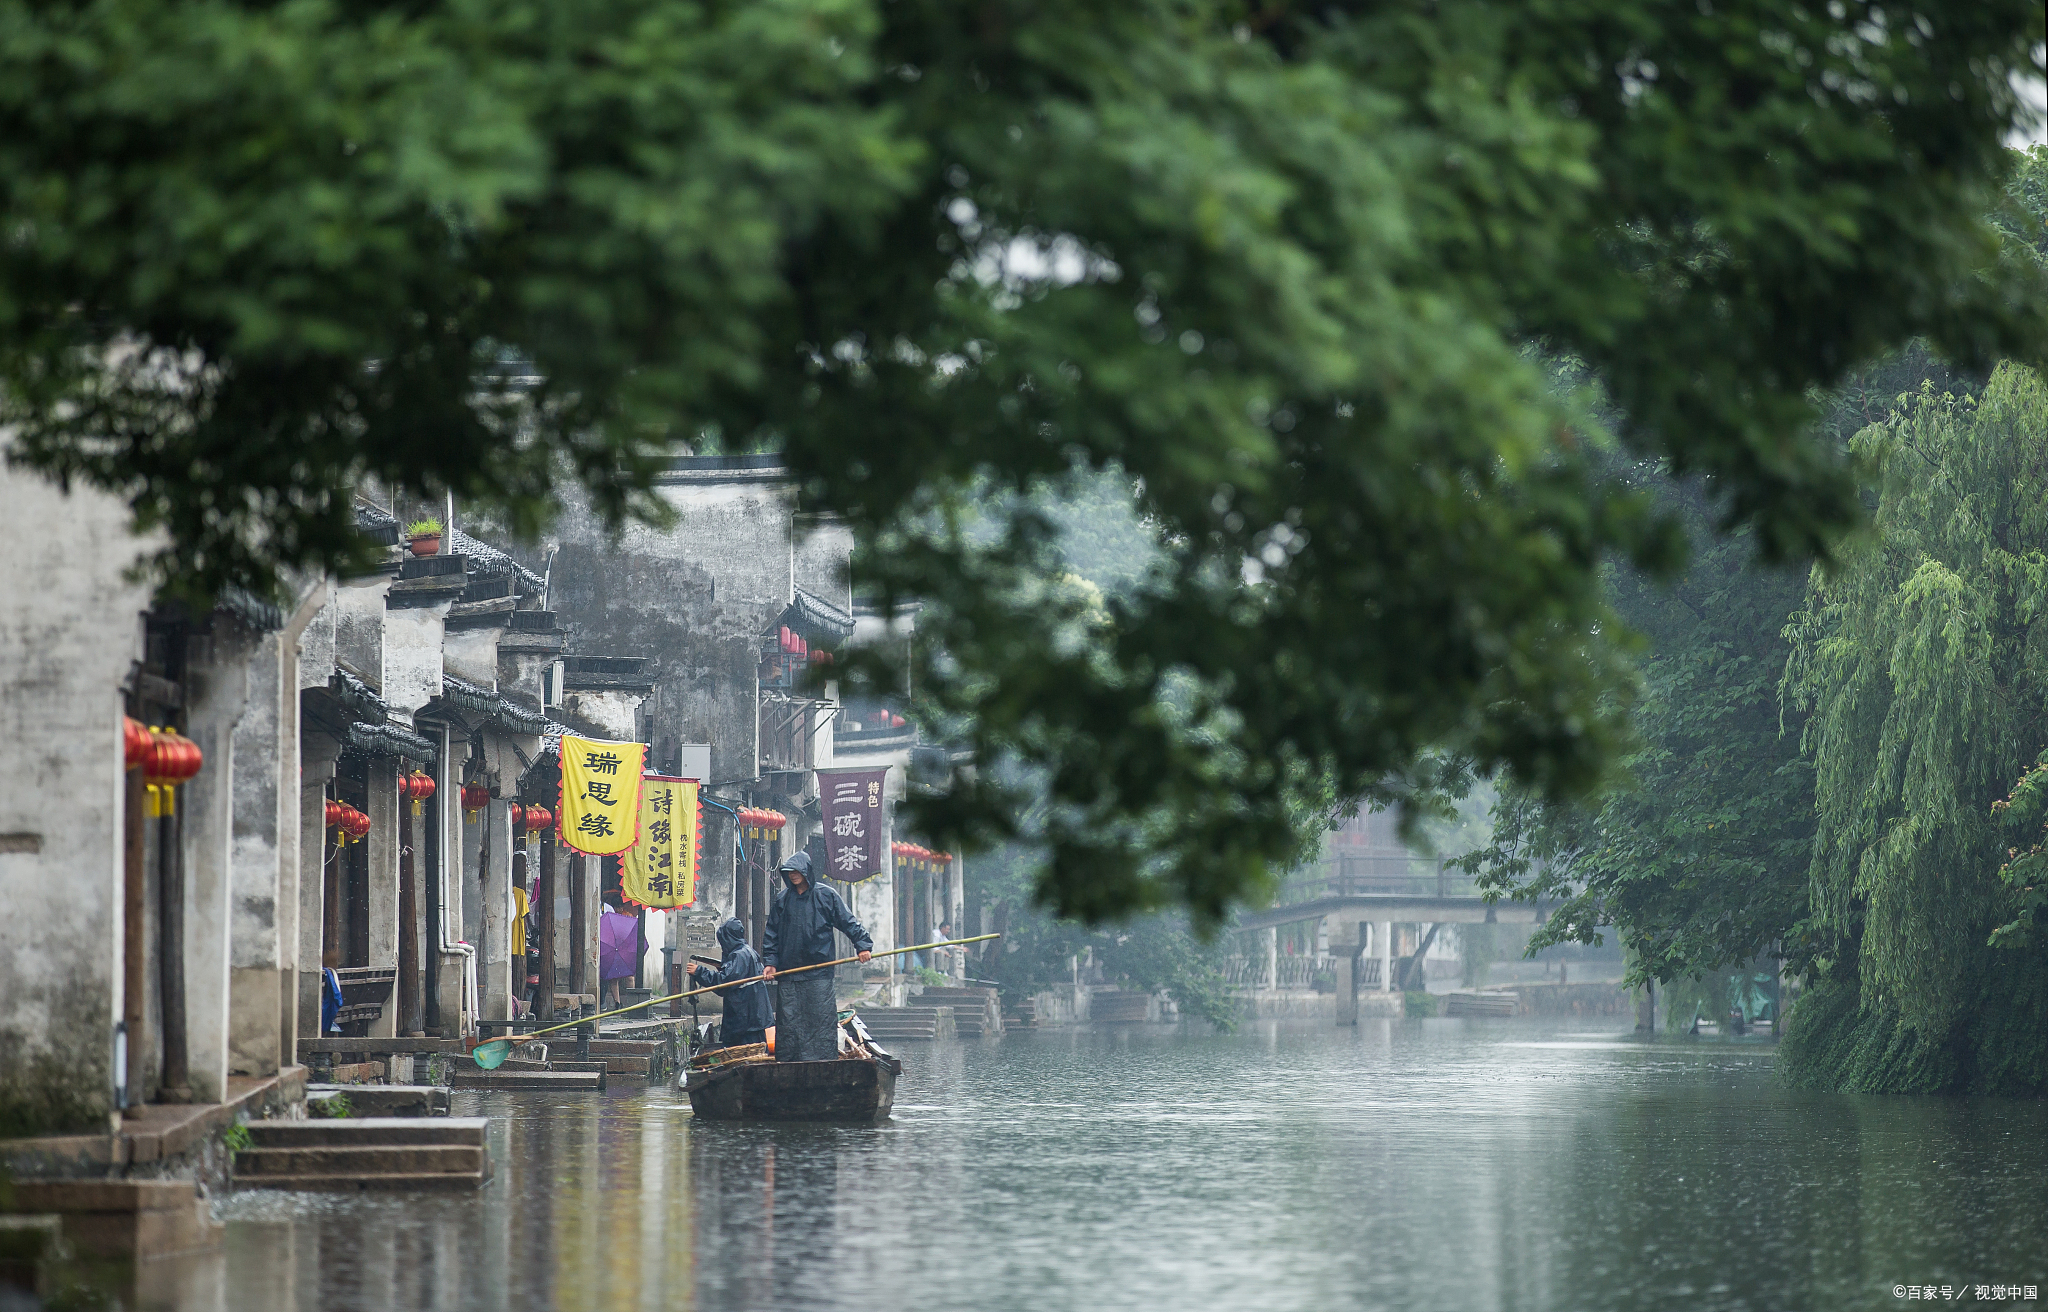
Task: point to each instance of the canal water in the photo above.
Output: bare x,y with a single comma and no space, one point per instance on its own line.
1458,1164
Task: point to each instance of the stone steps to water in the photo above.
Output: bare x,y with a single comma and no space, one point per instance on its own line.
378,1159
124,1218
372,1153
555,1081
1114,1007
976,1011
383,1131
380,1099
1475,1002
897,1023
1023,1016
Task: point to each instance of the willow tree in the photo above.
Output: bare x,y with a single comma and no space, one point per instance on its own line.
1922,664
1295,266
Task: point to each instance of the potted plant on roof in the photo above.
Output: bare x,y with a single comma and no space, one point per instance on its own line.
424,536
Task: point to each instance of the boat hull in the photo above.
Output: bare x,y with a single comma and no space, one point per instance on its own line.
860,1092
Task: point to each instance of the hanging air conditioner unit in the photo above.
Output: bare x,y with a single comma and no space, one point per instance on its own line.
551,683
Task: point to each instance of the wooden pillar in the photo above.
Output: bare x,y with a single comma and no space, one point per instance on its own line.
410,985
170,846
1385,934
544,926
579,922
135,918
430,883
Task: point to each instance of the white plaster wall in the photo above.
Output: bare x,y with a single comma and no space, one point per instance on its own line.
316,647
70,627
495,981
412,657
383,842
472,654
217,695
263,814
359,627
614,714
820,547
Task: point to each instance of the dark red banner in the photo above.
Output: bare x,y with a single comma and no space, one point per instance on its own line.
852,802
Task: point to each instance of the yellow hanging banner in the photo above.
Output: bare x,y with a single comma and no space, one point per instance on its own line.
600,812
660,870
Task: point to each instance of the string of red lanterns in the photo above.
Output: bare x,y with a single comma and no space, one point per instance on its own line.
911,854
793,644
758,822
347,822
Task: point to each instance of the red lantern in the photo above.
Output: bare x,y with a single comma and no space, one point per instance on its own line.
134,742
356,823
169,760
335,812
518,814
538,818
475,797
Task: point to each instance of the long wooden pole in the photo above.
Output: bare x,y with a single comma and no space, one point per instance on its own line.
530,1035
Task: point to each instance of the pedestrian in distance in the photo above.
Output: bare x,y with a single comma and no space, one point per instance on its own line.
799,933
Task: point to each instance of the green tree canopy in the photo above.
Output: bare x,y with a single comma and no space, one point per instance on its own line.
1697,855
1293,267
1923,665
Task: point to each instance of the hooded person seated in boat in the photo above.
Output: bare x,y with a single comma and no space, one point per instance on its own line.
748,1012
799,933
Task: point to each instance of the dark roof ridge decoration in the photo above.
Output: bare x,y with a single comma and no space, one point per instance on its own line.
357,698
376,523
487,559
250,609
476,698
390,740
817,619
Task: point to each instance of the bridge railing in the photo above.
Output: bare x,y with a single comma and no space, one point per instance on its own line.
1249,972
1356,876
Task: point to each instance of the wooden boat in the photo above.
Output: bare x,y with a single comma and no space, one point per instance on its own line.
860,1090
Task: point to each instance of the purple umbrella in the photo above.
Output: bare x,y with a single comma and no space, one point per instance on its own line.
618,944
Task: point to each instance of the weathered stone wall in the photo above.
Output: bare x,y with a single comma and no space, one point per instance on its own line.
216,697
697,598
70,627
263,815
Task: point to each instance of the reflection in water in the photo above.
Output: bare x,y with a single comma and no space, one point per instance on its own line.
1442,1163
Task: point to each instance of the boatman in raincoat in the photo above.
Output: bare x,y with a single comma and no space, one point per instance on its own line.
799,933
748,1013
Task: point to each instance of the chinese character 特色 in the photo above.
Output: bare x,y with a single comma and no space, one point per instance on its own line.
601,762
660,801
600,791
598,825
847,824
657,831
